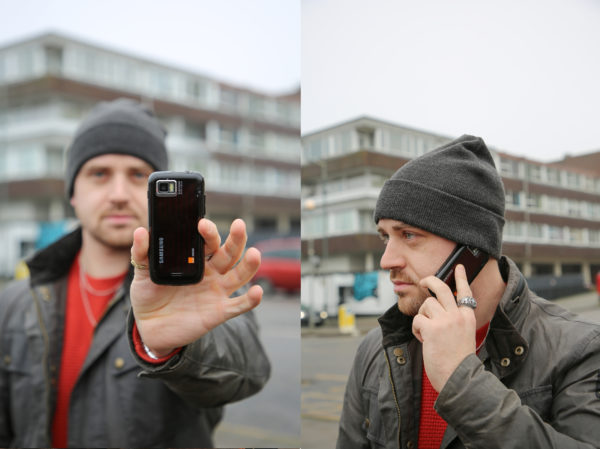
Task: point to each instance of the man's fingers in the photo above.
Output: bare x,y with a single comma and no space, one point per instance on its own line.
431,308
444,296
228,255
212,239
419,321
243,303
139,252
243,272
462,284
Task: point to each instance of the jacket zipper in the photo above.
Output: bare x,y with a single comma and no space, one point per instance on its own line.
45,357
394,393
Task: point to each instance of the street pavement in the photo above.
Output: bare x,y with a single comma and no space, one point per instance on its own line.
270,419
327,356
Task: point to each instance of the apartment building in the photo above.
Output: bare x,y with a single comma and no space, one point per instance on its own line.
245,143
552,209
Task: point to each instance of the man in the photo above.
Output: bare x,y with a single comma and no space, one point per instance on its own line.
497,368
68,376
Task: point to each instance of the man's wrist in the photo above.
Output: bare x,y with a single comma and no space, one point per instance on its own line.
145,353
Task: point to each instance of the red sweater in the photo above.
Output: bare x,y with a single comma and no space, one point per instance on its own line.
83,309
431,425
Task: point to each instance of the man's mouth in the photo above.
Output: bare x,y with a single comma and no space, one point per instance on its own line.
119,218
401,285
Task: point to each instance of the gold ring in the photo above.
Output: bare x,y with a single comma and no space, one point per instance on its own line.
137,265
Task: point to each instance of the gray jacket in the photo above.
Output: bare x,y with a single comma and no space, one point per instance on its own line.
535,384
118,399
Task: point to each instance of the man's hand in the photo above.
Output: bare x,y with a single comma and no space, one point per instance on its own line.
169,317
446,330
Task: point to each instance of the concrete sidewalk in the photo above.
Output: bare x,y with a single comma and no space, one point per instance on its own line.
580,303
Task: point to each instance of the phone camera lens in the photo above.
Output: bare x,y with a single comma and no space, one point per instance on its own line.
163,187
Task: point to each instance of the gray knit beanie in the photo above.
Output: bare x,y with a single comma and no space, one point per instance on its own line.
453,191
122,126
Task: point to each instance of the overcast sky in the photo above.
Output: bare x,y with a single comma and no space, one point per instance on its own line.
255,44
522,74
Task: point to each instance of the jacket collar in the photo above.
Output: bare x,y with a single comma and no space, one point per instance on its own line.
54,261
505,345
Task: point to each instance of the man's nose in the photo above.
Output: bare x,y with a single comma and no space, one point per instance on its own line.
392,257
119,189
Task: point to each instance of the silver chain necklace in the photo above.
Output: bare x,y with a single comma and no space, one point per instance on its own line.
84,288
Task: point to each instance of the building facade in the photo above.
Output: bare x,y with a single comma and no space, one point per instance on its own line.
552,210
245,143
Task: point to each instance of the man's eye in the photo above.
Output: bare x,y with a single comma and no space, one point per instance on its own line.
409,235
98,173
384,238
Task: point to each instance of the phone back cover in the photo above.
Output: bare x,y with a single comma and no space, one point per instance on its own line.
176,250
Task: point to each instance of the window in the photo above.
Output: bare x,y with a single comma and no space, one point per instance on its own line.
553,176
574,208
228,135
513,198
195,89
160,82
534,172
535,231
196,130
342,143
573,180
541,269
54,161
256,139
3,157
576,235
513,229
553,205
315,150
54,57
556,233
25,62
534,201
229,98
256,106
313,226
344,222
283,109
366,138
571,268
507,167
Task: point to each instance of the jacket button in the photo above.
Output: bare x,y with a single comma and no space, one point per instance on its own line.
410,445
367,422
401,360
119,363
505,362
398,352
7,360
519,350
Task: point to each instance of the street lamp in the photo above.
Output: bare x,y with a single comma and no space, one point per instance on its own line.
315,262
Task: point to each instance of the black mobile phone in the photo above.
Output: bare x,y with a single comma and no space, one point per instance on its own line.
176,202
473,260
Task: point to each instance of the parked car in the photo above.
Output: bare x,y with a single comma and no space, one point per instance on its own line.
280,265
317,317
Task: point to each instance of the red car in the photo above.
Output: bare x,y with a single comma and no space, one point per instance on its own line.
280,264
